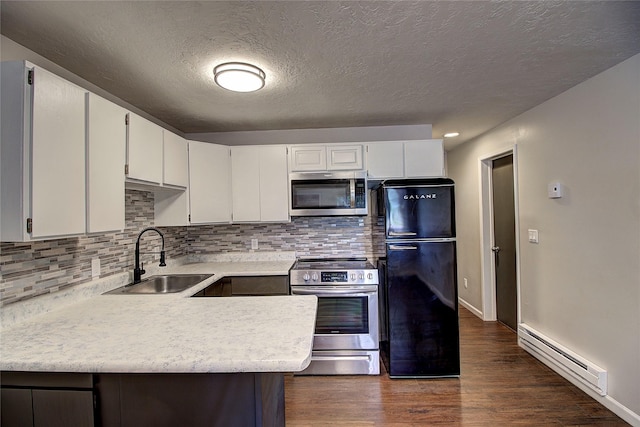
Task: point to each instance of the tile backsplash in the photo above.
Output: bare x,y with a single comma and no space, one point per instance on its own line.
31,269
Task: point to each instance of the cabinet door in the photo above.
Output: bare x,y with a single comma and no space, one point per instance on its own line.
259,183
385,160
308,158
344,157
424,158
106,157
62,408
245,183
58,201
16,405
144,150
274,183
175,160
209,183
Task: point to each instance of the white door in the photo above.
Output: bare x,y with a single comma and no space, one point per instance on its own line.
144,150
344,157
245,183
106,157
385,160
209,183
424,158
58,157
175,171
274,183
308,158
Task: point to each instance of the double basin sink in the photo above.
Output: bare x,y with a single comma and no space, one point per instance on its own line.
162,284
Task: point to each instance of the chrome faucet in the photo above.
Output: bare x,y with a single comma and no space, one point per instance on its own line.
138,271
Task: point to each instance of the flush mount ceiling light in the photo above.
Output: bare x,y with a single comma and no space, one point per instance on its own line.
451,134
239,77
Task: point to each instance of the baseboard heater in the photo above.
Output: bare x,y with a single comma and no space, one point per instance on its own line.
576,366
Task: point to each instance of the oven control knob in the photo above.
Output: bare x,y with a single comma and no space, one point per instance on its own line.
314,277
352,276
360,276
370,276
306,277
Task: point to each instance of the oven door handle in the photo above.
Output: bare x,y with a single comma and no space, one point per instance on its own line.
319,291
365,357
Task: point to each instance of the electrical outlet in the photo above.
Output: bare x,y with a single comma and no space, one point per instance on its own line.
254,244
466,285
95,267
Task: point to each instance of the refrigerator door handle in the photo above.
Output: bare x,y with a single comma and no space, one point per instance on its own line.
402,233
402,248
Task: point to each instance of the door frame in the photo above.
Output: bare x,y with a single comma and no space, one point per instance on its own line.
487,257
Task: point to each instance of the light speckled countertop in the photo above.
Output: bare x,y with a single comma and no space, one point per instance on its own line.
171,332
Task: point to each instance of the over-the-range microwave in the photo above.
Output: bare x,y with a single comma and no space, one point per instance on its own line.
328,193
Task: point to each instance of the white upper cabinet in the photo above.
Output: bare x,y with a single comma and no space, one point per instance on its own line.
307,158
344,157
259,183
209,183
385,160
424,158
144,150
43,154
274,183
106,157
325,157
405,159
175,160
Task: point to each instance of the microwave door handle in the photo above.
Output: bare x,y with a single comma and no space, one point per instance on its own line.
352,191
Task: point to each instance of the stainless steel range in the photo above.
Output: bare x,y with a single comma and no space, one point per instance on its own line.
346,335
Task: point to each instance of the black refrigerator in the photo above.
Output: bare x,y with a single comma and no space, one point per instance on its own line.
421,298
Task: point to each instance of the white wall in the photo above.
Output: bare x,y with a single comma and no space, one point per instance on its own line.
581,284
12,51
318,136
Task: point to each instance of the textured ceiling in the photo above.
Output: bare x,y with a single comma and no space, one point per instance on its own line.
465,66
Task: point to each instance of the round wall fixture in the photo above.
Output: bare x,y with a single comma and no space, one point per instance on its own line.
239,77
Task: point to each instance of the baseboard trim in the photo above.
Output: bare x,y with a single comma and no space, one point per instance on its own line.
470,308
607,401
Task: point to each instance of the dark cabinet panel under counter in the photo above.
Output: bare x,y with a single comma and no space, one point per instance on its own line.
234,286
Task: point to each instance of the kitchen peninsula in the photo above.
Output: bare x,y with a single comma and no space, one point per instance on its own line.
165,359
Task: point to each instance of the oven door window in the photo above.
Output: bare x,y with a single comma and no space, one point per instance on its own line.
342,315
335,193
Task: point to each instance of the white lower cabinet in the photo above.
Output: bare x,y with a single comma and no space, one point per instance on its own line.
106,157
42,154
405,159
259,183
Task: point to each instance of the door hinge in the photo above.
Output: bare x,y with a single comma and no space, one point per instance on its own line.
30,77
29,225
189,217
126,119
126,169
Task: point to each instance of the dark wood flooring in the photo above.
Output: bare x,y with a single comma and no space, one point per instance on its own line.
500,385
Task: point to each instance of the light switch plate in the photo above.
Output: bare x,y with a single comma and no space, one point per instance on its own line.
254,244
533,236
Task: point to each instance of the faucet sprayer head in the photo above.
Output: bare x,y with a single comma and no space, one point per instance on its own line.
162,263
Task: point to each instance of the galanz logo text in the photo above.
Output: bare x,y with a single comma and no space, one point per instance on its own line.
419,196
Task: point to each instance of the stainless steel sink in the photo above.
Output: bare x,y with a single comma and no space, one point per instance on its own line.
162,284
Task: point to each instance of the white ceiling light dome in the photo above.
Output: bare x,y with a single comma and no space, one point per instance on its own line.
239,77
